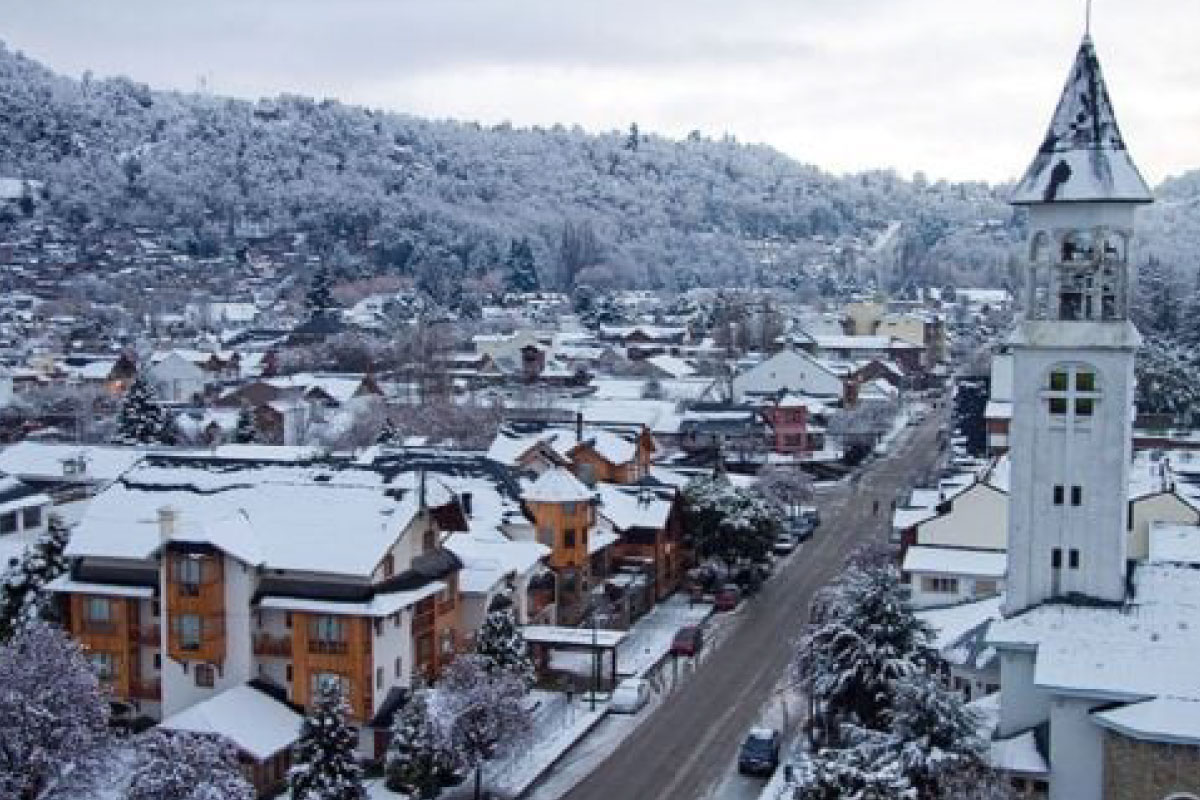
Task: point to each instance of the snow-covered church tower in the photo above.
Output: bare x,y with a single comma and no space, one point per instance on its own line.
1073,355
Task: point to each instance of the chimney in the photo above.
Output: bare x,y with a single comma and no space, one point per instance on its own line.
465,499
167,518
578,426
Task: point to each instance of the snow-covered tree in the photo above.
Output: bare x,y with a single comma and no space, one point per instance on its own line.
728,523
863,642
53,716
174,765
319,298
937,735
416,763
246,431
478,715
389,434
140,419
502,647
522,269
785,488
23,595
868,770
324,766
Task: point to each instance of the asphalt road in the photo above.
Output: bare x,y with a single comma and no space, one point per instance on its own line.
686,748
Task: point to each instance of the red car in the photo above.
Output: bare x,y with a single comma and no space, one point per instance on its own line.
687,642
728,597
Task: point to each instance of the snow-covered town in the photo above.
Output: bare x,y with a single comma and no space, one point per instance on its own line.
355,449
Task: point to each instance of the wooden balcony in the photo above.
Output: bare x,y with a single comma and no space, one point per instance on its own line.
268,645
145,635
327,647
146,689
99,627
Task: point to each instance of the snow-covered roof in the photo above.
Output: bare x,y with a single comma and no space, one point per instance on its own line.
950,623
384,604
557,485
488,557
1163,719
599,539
304,516
575,637
1083,157
63,583
635,507
672,365
955,561
998,409
44,460
256,723
1099,651
1019,755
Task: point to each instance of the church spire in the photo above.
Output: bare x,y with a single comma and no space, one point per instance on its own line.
1083,157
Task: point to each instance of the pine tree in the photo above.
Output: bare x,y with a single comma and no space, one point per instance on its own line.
246,432
389,434
23,595
502,647
140,420
415,763
319,299
522,269
324,763
863,643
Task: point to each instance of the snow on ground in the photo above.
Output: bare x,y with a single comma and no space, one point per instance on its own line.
650,637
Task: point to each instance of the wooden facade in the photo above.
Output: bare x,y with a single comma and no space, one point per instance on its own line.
110,629
195,606
329,644
564,528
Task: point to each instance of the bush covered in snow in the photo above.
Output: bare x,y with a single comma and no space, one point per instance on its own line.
173,765
502,647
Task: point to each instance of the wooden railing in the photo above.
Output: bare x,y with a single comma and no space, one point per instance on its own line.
327,647
103,627
267,645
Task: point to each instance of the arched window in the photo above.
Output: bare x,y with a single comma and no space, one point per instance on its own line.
1039,248
1071,392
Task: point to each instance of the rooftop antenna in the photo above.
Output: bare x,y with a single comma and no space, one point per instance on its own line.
1087,20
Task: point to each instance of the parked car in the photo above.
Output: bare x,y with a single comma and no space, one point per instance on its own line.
800,528
759,754
688,641
785,543
630,696
811,515
728,597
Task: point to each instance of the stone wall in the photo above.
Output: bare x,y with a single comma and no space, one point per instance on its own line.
1138,770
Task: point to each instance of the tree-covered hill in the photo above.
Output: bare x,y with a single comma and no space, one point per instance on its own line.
442,201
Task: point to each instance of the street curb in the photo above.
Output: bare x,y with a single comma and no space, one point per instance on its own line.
533,781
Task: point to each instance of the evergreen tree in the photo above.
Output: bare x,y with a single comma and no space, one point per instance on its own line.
246,431
319,299
728,523
522,269
634,138
23,595
389,434
415,764
140,420
863,642
502,647
324,764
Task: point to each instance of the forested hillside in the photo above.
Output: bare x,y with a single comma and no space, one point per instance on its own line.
441,201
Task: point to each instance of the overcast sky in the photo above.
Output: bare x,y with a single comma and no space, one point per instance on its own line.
956,88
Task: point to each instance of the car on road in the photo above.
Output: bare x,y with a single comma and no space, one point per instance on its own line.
630,696
688,641
759,754
728,596
784,544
